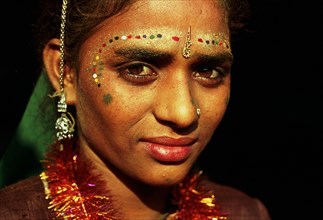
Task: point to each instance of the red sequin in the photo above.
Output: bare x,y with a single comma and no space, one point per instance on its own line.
175,38
200,40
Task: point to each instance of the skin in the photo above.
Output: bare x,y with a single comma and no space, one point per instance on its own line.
115,119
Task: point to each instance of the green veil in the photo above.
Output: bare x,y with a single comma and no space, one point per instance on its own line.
35,132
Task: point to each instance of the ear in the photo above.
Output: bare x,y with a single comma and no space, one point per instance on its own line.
51,59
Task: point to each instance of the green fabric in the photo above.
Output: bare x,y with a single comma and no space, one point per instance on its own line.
34,134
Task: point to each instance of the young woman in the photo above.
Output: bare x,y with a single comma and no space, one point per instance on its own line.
149,82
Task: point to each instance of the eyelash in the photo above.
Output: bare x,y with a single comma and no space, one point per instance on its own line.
142,73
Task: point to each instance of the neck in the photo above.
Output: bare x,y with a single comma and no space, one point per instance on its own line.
134,199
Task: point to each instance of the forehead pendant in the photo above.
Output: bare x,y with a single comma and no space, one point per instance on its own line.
188,44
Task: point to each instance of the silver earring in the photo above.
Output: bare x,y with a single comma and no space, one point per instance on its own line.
198,112
65,123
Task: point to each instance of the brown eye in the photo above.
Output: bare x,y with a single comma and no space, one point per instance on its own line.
139,70
208,73
209,76
137,73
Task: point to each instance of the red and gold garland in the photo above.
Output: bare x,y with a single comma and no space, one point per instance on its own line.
75,193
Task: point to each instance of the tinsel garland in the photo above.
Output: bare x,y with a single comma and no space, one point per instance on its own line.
194,202
75,193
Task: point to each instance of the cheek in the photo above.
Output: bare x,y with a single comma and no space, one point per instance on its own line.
89,106
214,107
112,105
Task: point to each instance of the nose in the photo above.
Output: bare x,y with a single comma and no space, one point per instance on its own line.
175,103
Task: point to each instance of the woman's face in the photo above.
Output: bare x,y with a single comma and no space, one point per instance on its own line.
138,95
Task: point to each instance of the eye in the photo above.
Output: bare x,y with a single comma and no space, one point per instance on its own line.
137,73
206,72
209,76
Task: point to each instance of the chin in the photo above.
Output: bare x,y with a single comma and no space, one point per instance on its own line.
165,178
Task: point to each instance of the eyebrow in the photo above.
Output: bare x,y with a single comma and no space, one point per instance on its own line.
147,55
159,58
216,58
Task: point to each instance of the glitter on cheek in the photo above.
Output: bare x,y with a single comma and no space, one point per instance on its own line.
107,98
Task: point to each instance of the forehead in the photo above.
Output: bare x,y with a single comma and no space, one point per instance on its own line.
205,16
165,21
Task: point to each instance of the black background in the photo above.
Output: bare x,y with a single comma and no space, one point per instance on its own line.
269,142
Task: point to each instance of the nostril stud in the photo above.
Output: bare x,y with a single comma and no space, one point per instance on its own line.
198,112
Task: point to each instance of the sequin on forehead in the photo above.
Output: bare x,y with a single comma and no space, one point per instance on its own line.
130,36
97,64
216,40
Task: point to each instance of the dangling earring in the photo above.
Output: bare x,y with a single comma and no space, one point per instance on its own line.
65,123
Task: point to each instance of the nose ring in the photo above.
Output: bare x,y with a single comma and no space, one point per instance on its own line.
198,112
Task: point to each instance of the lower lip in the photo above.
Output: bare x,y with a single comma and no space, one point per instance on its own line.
165,153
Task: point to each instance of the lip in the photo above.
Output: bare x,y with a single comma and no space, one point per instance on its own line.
167,149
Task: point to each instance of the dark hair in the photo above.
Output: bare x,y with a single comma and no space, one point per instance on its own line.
83,16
